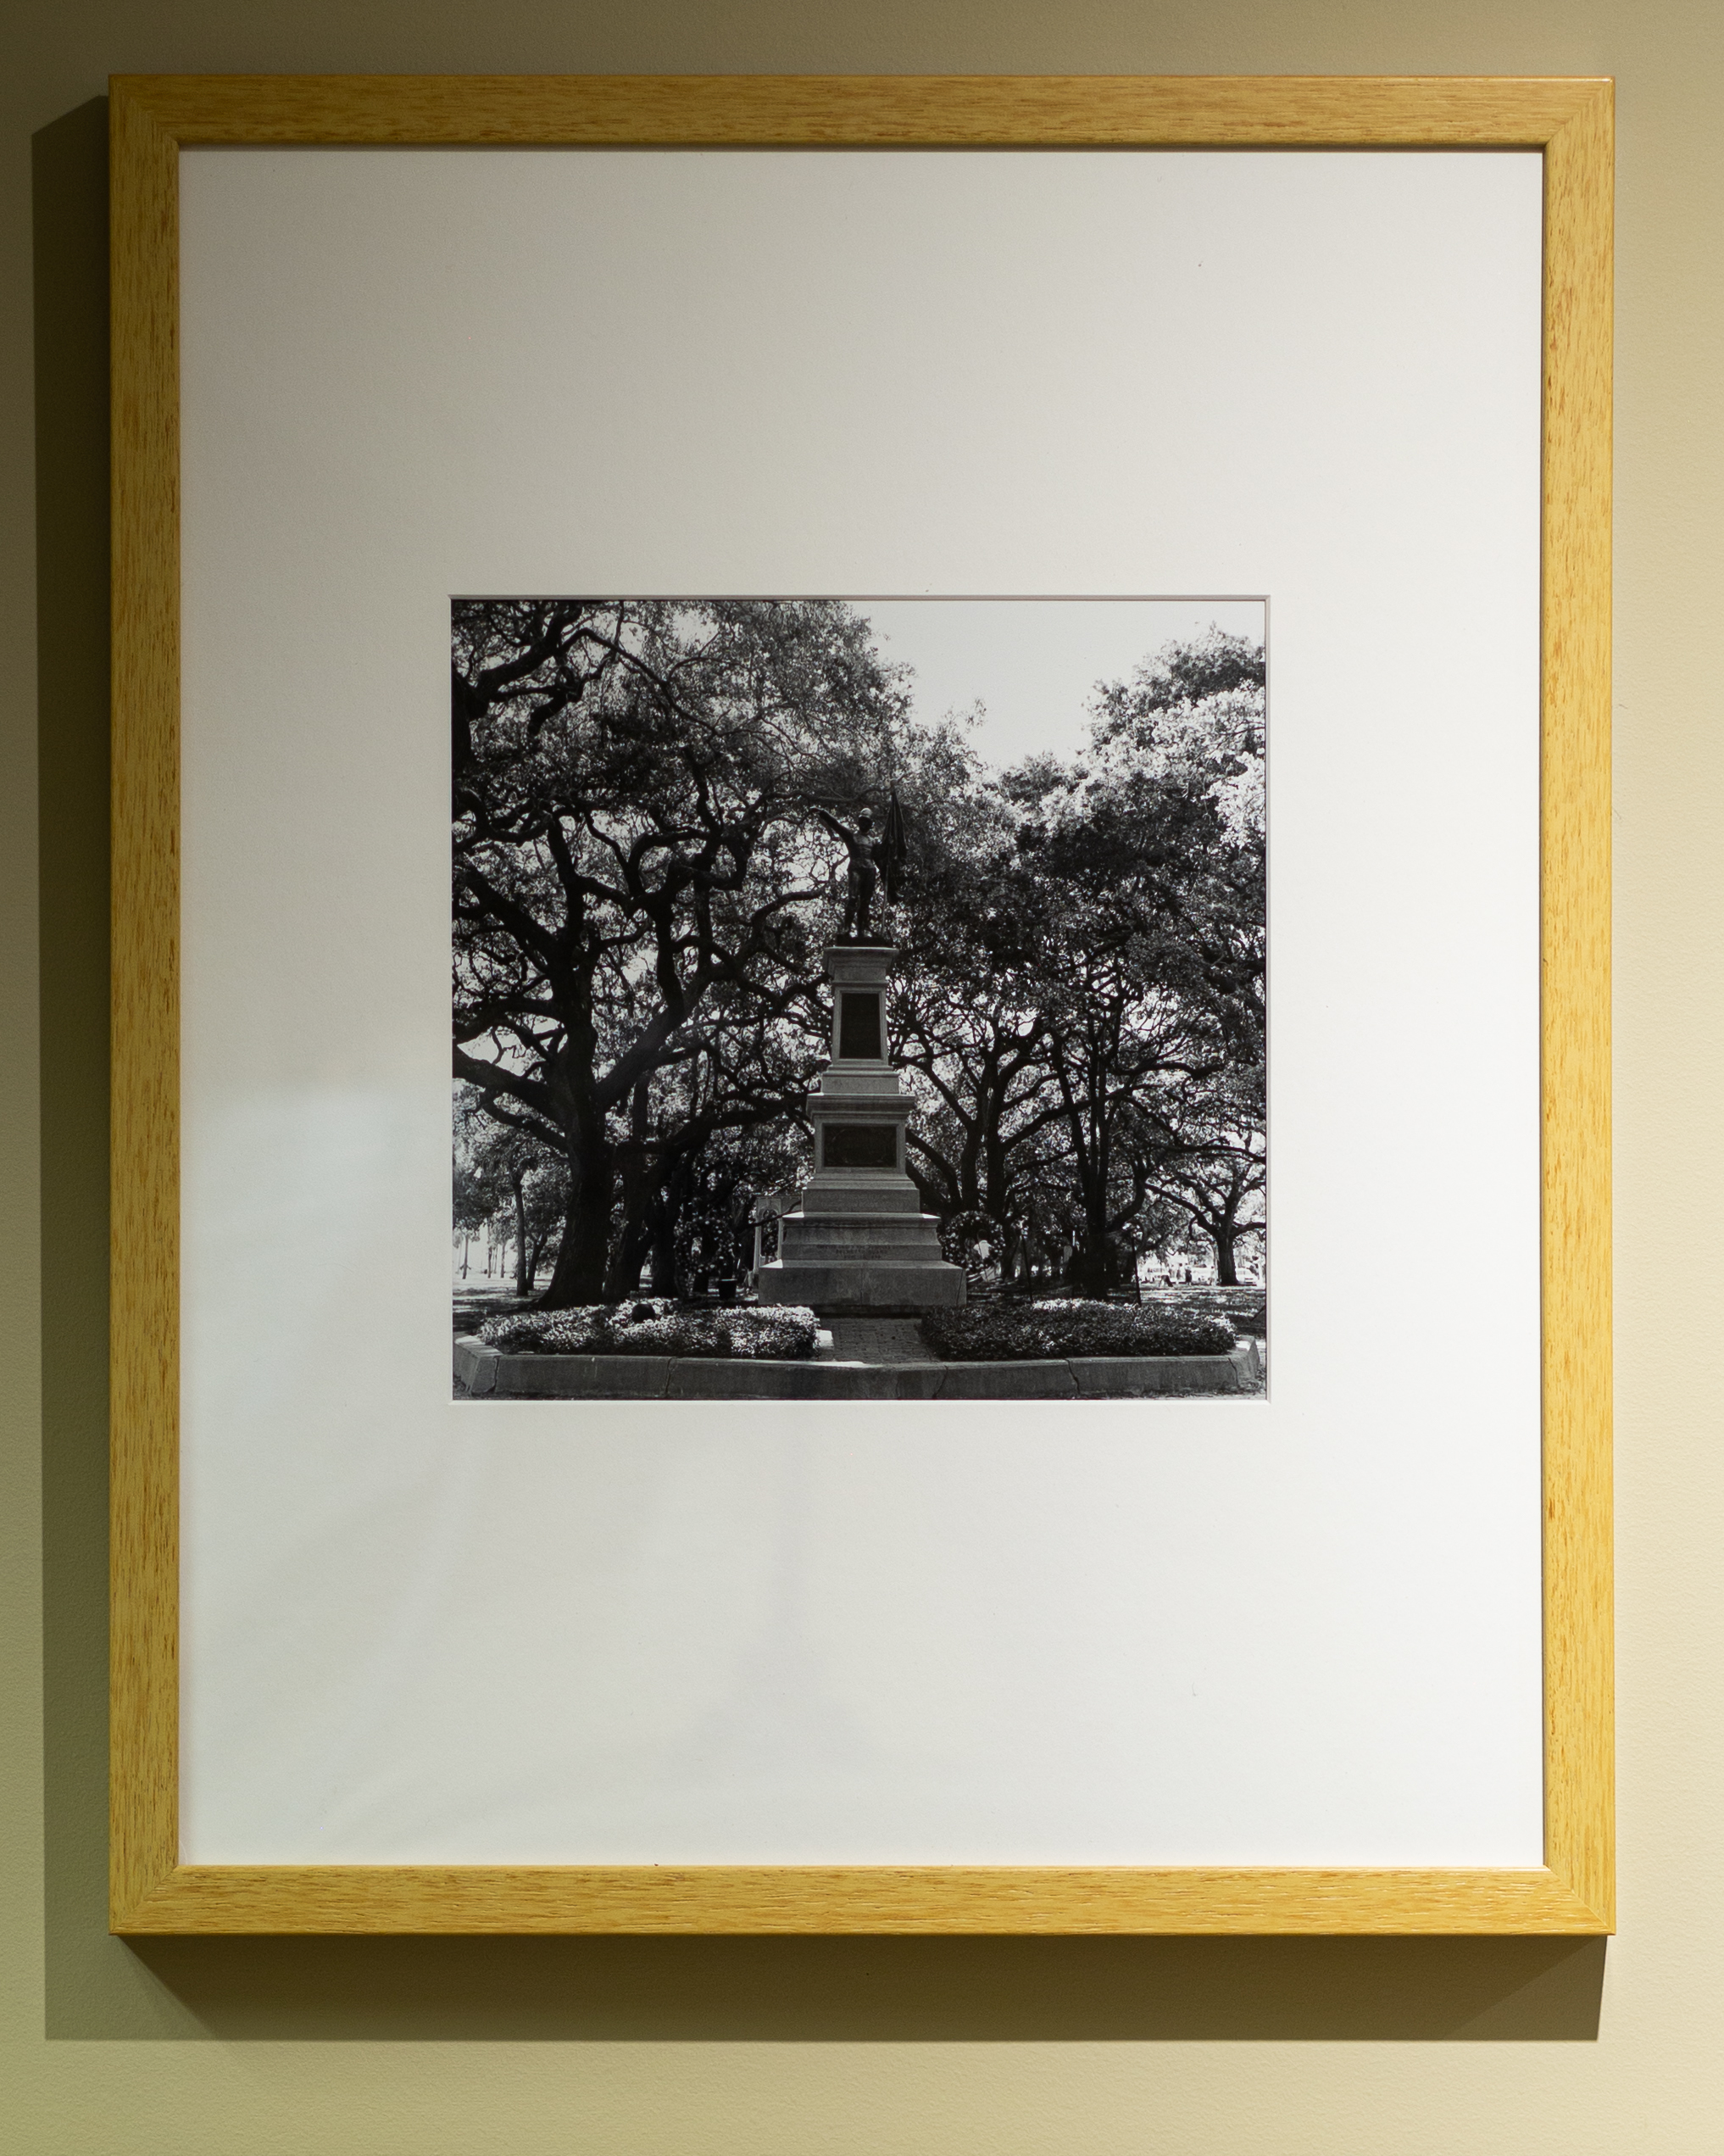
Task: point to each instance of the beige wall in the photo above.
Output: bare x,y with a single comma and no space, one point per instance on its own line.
758,2046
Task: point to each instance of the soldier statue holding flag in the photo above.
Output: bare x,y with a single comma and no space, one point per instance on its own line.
869,856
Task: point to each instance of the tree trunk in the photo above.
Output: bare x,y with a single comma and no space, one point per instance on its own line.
665,1253
1228,1233
623,1277
578,1275
577,1278
672,1197
1089,1268
1085,1120
523,1276
1092,1263
994,1198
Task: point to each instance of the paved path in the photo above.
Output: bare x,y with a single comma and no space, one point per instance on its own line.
876,1340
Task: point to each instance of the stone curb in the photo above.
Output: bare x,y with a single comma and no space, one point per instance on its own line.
1009,1381
488,1374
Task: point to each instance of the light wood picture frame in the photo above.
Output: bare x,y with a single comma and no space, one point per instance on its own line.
1569,121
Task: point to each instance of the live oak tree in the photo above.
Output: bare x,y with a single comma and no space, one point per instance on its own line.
634,880
967,1016
1086,966
1146,972
737,1103
1190,724
475,1204
510,1183
1170,828
1219,1189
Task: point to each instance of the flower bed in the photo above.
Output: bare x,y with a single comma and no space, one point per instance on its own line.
1040,1331
785,1333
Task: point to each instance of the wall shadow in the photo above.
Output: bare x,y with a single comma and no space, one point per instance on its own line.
897,1991
69,210
501,1989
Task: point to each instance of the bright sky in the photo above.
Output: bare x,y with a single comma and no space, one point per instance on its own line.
1033,663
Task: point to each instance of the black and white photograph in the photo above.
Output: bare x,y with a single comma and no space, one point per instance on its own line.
858,998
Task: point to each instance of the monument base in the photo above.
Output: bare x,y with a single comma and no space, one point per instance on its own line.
849,1262
834,1291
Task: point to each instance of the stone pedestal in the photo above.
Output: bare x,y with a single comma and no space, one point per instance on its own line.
859,1241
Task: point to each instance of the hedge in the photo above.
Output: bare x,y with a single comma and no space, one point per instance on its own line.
784,1332
1043,1331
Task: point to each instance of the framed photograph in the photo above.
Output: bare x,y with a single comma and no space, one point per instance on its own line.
1018,671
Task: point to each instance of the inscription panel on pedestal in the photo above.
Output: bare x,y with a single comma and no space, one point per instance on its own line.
859,1025
859,1144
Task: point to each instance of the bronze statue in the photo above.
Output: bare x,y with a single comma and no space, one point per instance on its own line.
868,857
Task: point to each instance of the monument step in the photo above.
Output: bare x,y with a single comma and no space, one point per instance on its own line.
884,1250
862,1288
862,1230
824,1198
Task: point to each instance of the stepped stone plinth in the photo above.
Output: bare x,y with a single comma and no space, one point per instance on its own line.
859,1241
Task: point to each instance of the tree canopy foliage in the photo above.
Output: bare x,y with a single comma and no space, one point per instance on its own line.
643,885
